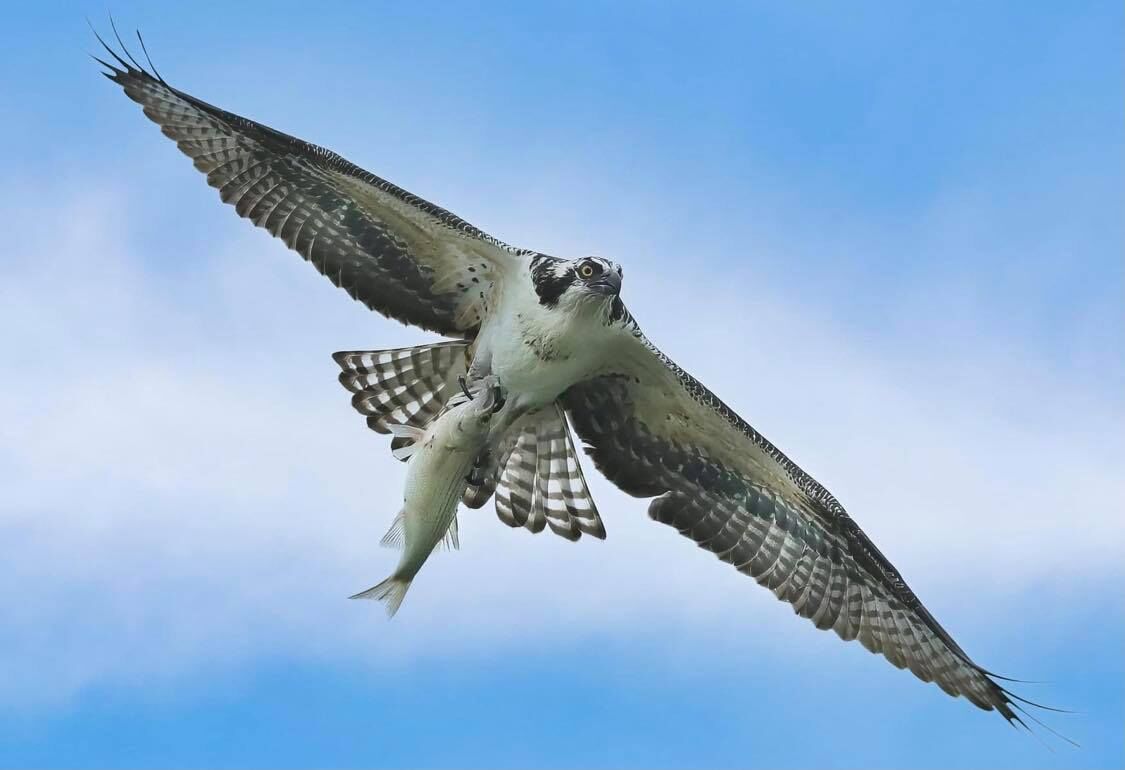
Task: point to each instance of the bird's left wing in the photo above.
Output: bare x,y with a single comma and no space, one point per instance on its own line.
655,431
394,252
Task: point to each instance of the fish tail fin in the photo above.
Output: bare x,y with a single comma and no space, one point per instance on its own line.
391,592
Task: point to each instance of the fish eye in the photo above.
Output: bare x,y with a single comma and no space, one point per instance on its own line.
588,269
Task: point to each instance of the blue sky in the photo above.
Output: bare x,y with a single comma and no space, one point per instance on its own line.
889,235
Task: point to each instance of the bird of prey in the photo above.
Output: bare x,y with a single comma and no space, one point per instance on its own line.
557,334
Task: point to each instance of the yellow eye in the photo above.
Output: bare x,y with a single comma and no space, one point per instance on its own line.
586,271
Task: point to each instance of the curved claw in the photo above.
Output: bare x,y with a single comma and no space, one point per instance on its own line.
464,386
498,399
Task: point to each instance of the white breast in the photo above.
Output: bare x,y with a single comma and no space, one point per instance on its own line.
539,352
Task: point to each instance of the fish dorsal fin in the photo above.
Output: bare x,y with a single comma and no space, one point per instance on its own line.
450,540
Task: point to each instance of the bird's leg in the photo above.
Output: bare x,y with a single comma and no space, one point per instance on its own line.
498,399
475,476
464,386
506,417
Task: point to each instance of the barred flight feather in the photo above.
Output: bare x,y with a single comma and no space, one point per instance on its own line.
403,386
651,428
655,431
387,248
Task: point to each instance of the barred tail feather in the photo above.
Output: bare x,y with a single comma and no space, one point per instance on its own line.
496,459
533,471
539,482
515,489
391,592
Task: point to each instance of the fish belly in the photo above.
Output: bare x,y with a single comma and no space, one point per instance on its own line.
434,485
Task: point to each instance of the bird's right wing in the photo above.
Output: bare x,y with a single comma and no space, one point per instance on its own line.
394,252
656,431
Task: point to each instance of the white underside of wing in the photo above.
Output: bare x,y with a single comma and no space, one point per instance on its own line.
461,264
665,405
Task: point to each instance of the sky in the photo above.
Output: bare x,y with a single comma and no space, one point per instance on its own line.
889,235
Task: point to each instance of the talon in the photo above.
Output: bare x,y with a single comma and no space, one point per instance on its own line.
498,399
464,386
473,479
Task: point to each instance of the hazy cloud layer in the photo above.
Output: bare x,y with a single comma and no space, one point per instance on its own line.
186,485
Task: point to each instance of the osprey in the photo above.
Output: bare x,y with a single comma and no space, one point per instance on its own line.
557,335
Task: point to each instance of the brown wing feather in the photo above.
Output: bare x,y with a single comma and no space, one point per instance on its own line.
655,431
398,254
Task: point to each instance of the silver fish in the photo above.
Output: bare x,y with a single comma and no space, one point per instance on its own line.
440,462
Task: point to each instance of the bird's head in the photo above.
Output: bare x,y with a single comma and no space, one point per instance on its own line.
575,283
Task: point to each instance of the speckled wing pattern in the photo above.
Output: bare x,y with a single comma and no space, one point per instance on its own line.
394,252
655,431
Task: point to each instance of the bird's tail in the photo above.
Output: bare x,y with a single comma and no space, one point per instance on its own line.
533,470
391,592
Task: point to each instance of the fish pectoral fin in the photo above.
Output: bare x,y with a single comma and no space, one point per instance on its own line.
405,433
395,537
405,451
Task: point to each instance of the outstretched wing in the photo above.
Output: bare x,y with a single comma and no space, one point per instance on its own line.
394,252
655,431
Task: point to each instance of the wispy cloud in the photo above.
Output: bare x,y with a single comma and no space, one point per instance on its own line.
186,485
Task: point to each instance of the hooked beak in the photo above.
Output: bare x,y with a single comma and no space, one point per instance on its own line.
608,284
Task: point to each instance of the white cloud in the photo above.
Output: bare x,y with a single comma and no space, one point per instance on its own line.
186,485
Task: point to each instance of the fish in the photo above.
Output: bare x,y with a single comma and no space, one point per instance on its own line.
441,462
